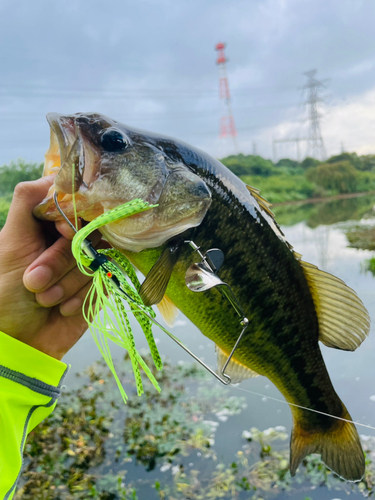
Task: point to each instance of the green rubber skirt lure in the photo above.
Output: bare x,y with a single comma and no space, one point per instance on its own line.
113,280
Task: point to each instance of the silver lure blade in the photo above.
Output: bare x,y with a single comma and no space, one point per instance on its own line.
199,279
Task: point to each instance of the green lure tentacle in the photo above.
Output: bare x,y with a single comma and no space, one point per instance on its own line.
104,308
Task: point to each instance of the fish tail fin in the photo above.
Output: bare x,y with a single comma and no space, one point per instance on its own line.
339,447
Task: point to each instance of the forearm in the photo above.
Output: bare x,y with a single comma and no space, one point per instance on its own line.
30,384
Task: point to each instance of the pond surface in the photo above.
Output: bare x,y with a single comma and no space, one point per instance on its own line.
317,231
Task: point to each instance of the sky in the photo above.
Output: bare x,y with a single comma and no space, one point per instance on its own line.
151,64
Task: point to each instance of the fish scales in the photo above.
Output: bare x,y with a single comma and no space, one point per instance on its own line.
281,341
288,303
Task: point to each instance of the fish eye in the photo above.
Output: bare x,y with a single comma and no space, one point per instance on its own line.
113,140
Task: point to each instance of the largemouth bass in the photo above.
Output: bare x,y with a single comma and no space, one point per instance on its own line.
291,305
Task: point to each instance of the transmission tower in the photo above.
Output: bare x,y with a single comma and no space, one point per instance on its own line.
315,145
227,126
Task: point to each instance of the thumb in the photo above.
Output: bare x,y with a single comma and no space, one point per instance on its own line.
26,196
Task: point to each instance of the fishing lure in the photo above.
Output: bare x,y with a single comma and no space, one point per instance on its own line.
114,279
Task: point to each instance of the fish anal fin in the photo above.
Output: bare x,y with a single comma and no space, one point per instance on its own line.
344,322
340,449
236,370
168,310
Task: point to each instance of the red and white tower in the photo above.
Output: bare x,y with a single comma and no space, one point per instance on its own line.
227,127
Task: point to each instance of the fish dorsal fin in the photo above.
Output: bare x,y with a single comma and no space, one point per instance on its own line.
168,310
344,322
264,204
156,282
237,371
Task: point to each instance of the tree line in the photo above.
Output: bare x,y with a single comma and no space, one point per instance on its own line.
282,181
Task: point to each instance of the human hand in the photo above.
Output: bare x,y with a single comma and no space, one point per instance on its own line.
41,288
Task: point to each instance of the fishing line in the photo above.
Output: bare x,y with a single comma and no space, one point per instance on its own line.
302,407
110,287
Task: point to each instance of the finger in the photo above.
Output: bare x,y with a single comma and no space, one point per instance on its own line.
26,196
64,289
64,229
74,305
51,266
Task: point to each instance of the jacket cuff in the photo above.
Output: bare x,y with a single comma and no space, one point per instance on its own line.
18,359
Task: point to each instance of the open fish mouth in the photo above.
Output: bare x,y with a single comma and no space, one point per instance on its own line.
63,136
65,157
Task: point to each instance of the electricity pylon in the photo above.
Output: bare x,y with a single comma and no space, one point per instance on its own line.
315,145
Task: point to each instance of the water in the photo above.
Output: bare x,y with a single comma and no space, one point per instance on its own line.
317,232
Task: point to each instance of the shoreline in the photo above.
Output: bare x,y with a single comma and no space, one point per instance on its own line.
319,200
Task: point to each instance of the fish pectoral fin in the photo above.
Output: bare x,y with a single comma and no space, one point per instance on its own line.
236,370
153,288
339,447
344,322
264,204
168,310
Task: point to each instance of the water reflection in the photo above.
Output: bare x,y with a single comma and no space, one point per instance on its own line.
325,213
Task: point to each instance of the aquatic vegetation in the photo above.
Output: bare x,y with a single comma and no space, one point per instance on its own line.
162,446
361,237
369,266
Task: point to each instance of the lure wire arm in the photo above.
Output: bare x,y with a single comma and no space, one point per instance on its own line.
207,264
62,213
100,260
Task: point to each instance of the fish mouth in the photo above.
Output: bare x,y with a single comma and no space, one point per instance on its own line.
63,135
67,157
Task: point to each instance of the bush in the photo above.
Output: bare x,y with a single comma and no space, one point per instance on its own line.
249,165
365,181
298,170
309,162
352,158
286,162
18,171
368,162
340,176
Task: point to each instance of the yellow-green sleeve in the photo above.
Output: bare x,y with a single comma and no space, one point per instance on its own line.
30,384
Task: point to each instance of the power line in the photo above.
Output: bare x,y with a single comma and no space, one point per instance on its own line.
157,115
297,140
47,90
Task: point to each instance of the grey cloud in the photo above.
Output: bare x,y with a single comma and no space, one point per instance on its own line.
151,63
